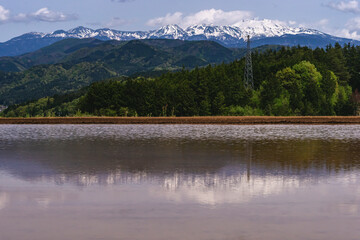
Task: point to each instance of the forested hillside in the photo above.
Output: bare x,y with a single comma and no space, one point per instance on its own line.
71,64
296,81
48,80
125,56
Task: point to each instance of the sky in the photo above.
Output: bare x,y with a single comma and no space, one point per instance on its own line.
339,18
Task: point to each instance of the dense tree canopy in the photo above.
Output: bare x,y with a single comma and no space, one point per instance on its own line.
291,81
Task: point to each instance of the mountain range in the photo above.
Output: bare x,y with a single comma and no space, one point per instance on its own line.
71,64
262,32
127,57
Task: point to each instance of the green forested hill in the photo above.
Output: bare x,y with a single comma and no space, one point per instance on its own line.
47,80
142,54
296,81
48,55
71,64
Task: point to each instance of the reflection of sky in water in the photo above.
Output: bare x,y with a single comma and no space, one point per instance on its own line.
206,189
251,182
3,200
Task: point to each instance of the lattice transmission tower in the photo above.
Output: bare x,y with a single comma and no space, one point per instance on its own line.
248,73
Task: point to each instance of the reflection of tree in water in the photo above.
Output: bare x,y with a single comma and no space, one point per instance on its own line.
308,156
97,161
248,155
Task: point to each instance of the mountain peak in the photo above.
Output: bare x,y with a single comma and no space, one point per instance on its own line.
263,31
172,26
169,31
80,29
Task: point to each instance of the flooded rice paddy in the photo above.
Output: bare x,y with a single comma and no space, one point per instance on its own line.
158,182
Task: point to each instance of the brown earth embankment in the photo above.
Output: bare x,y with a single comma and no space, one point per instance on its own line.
183,120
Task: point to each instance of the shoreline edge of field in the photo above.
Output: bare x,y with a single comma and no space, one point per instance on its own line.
248,120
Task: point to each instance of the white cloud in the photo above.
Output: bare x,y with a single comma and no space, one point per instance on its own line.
4,14
209,16
46,15
175,18
323,22
348,34
43,15
353,24
351,30
321,25
349,6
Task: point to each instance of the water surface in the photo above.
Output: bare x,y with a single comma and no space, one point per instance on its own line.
179,182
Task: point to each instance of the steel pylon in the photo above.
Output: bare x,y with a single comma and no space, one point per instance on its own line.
248,73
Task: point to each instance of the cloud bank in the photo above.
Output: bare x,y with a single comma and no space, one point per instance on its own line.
219,17
4,14
349,6
42,15
351,28
209,16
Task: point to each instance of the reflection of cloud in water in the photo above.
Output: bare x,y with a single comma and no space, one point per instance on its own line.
215,189
349,209
3,200
224,189
41,198
43,202
210,188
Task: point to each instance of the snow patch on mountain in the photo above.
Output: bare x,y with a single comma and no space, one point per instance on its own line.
240,31
261,32
169,31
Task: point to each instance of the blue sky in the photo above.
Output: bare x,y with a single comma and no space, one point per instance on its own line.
341,18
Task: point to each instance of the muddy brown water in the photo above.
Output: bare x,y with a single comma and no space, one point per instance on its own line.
179,182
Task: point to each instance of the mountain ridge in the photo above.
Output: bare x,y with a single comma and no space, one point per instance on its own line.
71,64
228,36
164,54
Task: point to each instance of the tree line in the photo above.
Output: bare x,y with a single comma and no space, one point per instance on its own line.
289,81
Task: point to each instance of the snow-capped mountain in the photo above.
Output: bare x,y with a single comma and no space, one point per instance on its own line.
169,32
261,32
254,28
